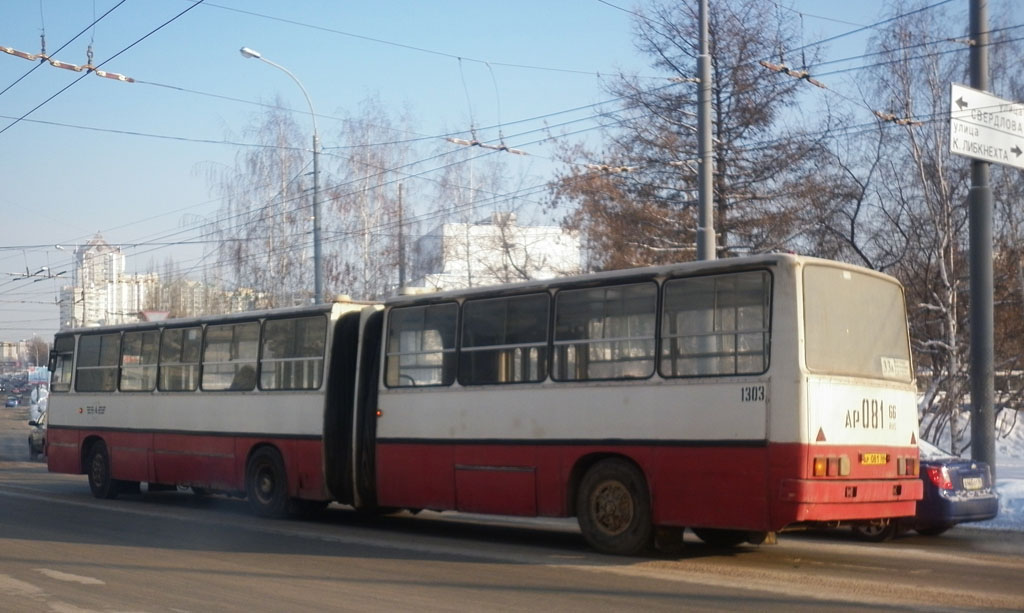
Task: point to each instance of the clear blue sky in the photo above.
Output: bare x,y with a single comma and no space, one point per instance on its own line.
62,184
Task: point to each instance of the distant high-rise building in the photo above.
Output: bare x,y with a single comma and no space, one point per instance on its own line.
102,294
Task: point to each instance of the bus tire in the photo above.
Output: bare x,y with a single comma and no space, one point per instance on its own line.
97,465
876,532
266,483
613,508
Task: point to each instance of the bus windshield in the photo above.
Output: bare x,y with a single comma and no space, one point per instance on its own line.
855,324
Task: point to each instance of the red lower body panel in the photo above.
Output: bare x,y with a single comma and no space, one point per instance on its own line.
870,491
749,487
212,461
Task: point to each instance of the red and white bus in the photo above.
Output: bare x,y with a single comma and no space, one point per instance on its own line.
736,397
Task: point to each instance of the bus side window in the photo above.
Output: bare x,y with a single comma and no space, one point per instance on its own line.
64,363
716,325
421,345
138,360
292,357
96,370
179,359
229,356
605,332
504,340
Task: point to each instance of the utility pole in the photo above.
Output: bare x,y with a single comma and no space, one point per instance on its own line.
401,241
981,288
318,268
706,223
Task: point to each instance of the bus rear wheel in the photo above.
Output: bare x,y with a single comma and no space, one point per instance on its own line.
97,465
614,508
266,483
876,532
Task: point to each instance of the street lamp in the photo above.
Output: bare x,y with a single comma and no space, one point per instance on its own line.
318,286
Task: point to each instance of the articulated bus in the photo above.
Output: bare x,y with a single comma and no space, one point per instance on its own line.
737,397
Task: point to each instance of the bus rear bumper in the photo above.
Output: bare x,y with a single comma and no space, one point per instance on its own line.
842,500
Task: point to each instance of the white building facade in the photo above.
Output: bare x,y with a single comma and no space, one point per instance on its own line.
461,255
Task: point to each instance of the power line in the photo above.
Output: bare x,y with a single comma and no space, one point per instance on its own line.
620,98
69,85
403,45
84,30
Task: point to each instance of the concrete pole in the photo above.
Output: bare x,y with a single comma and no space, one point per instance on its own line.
980,219
318,258
706,221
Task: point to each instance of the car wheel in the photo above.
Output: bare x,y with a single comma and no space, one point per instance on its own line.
932,530
32,453
98,466
266,483
876,533
614,508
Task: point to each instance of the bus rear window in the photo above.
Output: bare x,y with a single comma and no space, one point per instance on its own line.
855,324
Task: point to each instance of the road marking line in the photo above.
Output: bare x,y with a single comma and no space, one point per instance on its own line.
15,587
59,576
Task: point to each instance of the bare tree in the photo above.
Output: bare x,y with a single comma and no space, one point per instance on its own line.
363,204
264,223
638,206
894,199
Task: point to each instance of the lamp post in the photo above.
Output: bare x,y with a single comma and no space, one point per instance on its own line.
318,287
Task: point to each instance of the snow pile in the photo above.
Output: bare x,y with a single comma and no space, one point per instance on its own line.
1009,483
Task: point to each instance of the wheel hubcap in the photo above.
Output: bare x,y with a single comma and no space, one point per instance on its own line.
265,484
612,506
97,470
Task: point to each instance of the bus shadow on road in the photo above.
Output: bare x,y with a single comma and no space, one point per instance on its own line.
416,535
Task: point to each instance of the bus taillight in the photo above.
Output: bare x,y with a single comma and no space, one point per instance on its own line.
832,466
906,466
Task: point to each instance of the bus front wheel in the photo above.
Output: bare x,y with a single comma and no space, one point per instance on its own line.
266,483
98,466
614,508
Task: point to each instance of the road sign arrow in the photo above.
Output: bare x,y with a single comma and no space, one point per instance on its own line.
986,127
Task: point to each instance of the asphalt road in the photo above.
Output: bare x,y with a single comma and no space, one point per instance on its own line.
62,550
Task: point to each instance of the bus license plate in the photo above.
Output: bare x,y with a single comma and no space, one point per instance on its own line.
874,459
972,483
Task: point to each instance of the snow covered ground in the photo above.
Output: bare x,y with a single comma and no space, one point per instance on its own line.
1009,483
